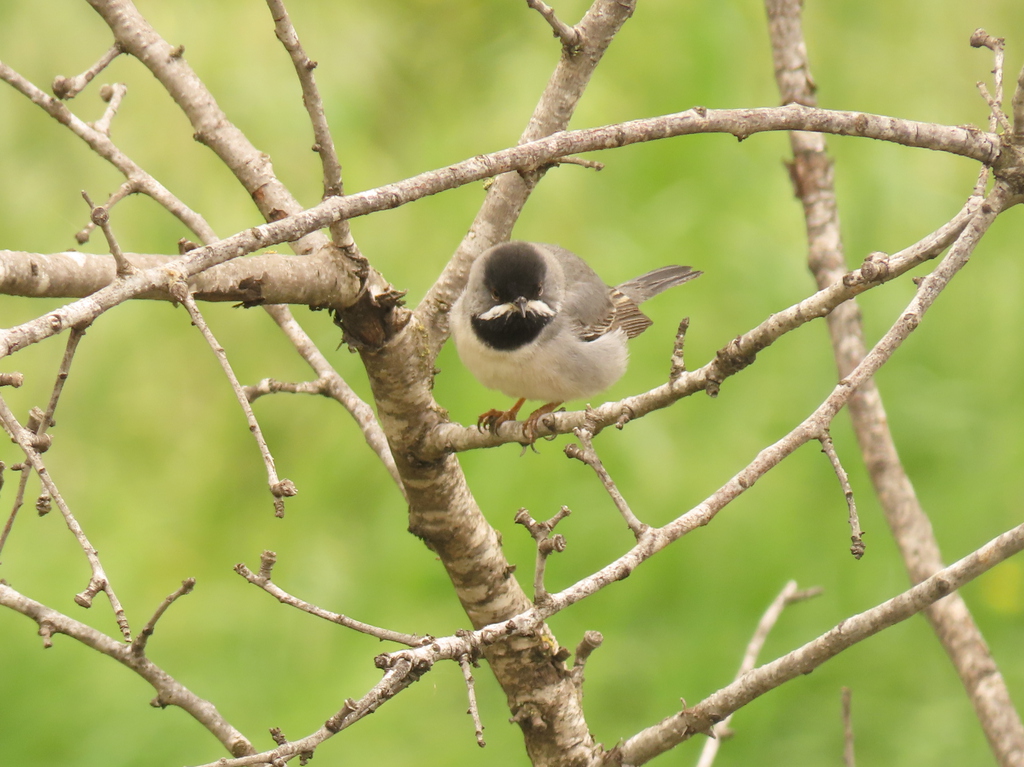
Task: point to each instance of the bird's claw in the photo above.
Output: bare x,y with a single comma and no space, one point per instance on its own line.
531,423
492,419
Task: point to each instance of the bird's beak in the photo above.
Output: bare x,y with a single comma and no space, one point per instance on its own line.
520,304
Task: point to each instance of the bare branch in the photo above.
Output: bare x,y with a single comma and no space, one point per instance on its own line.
789,595
210,124
585,452
40,425
534,154
546,544
112,94
997,116
950,619
14,380
45,421
856,534
169,691
138,645
262,579
670,732
848,755
1017,103
69,87
101,144
678,359
654,740
582,162
101,218
262,279
279,488
272,386
473,711
569,36
982,39
397,678
98,582
590,642
324,146
335,386
82,235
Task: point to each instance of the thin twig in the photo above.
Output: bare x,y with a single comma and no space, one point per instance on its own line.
279,488
673,730
125,189
98,581
590,642
585,452
43,422
113,95
336,387
263,580
138,645
473,711
19,501
856,534
789,595
101,218
996,116
101,144
169,691
569,36
69,87
848,754
982,39
400,675
546,544
678,358
581,161
324,142
272,386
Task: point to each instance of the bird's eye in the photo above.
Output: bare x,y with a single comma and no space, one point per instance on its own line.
540,290
494,294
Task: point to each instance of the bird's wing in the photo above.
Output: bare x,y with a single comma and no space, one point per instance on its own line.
596,309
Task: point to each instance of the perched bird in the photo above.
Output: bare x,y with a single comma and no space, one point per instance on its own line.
535,322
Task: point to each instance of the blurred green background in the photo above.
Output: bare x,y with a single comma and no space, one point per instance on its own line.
153,455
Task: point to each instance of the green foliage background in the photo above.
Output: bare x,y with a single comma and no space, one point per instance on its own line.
152,452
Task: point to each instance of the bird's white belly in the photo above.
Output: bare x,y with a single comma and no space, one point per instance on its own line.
539,371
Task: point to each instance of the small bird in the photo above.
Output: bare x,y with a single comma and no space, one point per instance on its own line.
536,322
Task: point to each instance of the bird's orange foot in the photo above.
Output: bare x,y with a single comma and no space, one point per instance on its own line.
530,426
492,419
